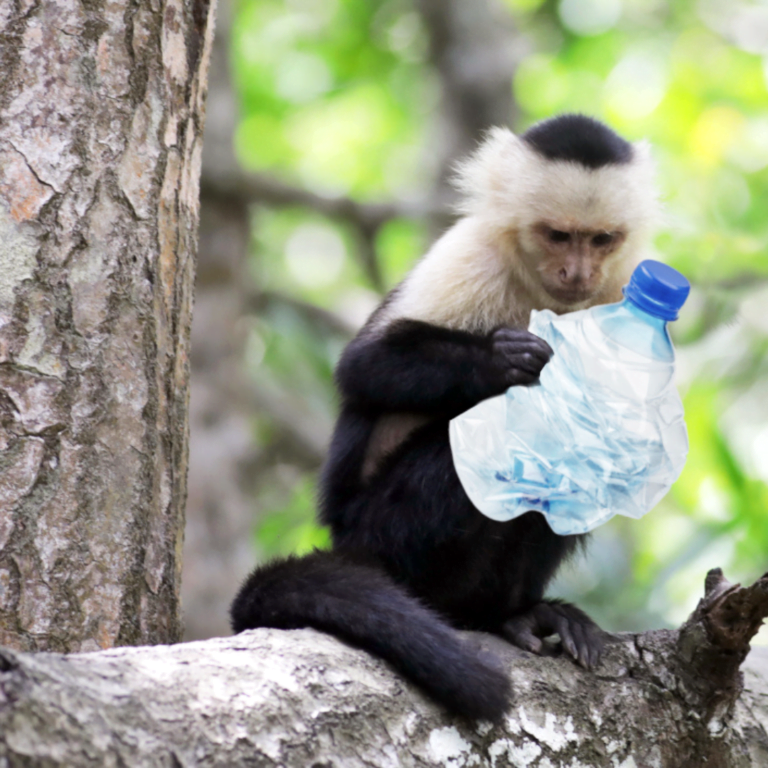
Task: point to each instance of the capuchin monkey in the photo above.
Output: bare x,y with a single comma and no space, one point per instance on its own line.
552,219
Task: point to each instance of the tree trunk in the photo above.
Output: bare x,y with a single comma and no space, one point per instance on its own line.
474,49
101,112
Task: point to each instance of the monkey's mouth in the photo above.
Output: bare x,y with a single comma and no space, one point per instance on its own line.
573,295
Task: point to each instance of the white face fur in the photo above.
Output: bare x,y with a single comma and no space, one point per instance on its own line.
536,233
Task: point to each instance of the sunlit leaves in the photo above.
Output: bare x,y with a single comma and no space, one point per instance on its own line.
590,17
290,529
326,83
637,84
330,136
397,242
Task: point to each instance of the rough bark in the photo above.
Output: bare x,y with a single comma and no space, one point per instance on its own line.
301,698
101,111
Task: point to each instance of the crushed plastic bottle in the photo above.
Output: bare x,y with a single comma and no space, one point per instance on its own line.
602,433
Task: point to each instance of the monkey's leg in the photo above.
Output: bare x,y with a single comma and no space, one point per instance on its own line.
580,636
415,366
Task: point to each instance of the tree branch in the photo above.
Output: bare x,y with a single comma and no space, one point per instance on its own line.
301,698
260,301
751,279
270,191
365,218
714,641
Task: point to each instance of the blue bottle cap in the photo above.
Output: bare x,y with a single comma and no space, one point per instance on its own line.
657,289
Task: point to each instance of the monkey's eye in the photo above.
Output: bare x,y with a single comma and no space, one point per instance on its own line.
604,238
558,236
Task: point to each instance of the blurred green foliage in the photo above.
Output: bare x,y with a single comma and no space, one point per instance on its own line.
291,529
338,96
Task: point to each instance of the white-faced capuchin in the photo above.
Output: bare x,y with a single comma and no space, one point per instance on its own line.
554,218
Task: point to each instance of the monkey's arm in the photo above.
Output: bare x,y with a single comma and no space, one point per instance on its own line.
415,366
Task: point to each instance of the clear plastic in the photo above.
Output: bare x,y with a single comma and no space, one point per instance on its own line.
601,434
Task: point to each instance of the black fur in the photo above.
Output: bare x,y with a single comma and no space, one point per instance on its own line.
579,139
406,536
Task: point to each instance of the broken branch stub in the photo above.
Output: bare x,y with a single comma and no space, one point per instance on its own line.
714,641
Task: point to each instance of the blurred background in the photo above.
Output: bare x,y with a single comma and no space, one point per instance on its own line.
331,132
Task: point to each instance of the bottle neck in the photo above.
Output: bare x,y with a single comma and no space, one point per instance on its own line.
641,314
634,329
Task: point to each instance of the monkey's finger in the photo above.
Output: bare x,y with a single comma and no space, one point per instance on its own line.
591,634
587,636
595,650
518,336
530,642
529,363
527,641
566,637
516,377
582,644
545,346
522,338
513,334
527,343
595,646
522,352
520,632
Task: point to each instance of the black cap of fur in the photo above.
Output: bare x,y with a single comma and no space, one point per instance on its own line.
579,139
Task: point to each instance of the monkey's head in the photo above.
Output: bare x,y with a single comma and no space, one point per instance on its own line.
570,201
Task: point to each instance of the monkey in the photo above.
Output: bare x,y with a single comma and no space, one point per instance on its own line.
557,218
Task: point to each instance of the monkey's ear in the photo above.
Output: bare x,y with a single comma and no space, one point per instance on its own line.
495,166
644,210
642,158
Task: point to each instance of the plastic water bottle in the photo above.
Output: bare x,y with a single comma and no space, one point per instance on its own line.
602,433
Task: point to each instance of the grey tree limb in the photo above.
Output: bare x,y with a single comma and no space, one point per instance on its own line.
271,191
365,218
301,698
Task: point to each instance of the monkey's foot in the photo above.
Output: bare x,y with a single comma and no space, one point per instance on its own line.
580,636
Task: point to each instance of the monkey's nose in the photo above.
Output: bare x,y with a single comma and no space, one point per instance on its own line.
570,277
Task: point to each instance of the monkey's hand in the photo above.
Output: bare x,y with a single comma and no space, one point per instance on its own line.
518,356
580,636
